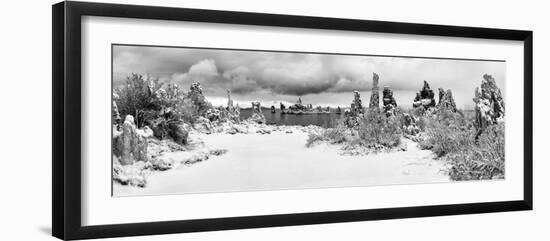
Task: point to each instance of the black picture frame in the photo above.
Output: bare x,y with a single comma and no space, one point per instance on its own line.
66,123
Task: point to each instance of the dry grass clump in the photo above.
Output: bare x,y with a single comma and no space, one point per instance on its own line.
334,135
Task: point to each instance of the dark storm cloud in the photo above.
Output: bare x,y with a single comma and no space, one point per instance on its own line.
243,71
297,74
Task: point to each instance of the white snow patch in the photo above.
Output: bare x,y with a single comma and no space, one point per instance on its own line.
280,160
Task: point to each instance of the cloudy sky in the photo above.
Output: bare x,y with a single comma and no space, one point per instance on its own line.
320,79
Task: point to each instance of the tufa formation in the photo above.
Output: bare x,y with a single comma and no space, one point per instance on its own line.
374,98
257,115
388,101
356,104
446,101
489,103
356,111
130,144
424,98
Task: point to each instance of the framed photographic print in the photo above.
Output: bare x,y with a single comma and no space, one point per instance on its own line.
169,120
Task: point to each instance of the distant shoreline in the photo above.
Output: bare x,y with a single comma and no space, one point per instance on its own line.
344,108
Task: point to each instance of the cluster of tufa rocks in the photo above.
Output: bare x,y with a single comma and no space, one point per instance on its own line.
357,110
388,101
218,116
231,112
489,103
424,98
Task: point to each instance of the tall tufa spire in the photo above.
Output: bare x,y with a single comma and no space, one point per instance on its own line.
374,98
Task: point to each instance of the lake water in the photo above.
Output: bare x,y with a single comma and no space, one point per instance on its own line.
327,120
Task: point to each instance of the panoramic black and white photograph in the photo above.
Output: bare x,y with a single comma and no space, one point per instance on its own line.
202,120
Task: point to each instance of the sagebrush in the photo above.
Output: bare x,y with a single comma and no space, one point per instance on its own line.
375,130
472,156
379,129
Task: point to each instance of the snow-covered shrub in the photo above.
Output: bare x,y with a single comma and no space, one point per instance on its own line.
335,135
165,110
137,98
483,159
446,132
376,128
453,136
197,98
313,138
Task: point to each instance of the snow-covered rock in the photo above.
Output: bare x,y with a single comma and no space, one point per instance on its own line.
257,118
409,123
263,131
446,101
489,103
130,145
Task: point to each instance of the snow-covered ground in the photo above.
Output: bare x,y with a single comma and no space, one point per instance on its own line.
280,160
